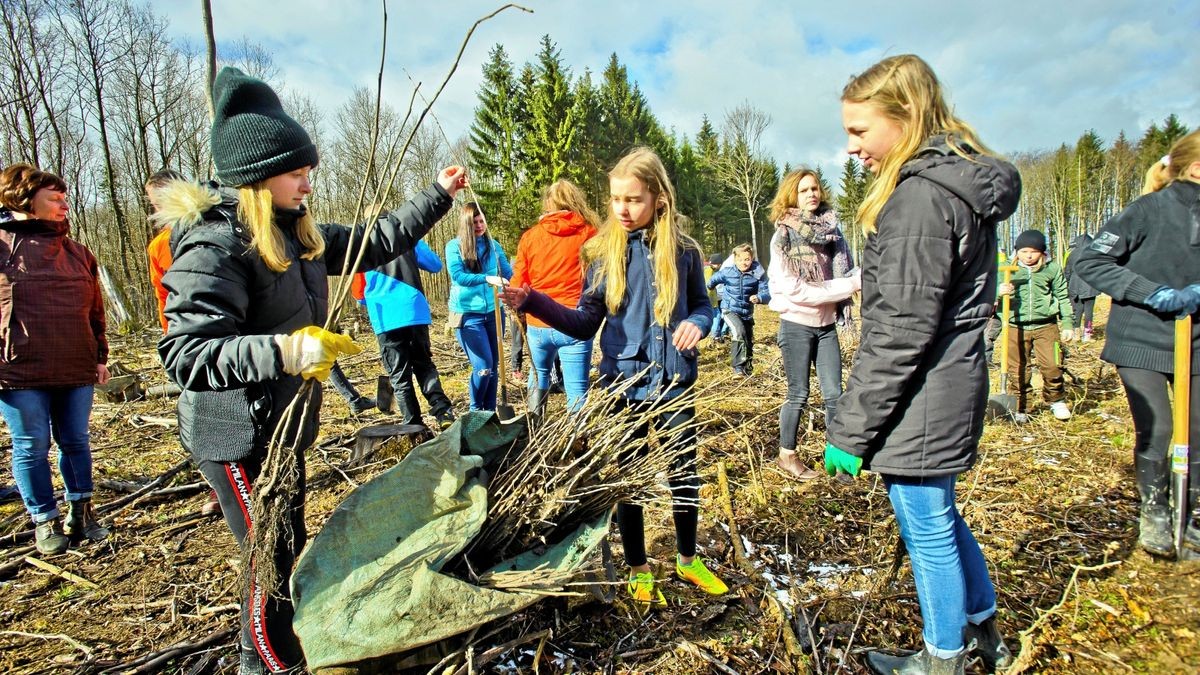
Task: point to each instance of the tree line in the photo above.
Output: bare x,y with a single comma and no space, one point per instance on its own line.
97,91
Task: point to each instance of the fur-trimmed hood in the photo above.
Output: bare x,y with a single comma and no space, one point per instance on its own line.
182,204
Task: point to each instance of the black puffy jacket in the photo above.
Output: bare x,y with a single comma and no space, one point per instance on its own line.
224,307
915,400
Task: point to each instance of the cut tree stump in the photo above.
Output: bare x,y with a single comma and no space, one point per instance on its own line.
368,440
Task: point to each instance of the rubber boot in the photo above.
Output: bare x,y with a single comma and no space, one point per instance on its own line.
989,644
49,538
249,662
1154,523
1191,538
921,663
81,521
537,405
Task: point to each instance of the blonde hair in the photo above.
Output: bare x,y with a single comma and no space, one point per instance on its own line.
905,89
744,248
667,237
785,198
563,195
466,238
257,212
1183,154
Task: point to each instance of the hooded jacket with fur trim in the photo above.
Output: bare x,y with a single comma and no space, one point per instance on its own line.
916,396
224,307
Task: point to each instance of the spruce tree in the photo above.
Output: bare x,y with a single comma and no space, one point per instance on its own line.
495,142
548,134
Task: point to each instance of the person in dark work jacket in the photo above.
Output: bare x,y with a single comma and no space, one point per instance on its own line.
1080,292
646,285
742,287
246,292
1148,259
914,404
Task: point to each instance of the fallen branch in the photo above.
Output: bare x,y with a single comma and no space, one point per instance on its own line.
739,552
87,651
152,663
499,650
713,661
55,569
1026,659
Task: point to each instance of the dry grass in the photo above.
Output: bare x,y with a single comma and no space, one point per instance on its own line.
1052,504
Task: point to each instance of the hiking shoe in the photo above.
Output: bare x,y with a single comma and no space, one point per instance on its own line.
920,663
698,574
1060,410
49,538
444,419
644,591
81,521
362,404
989,644
1154,530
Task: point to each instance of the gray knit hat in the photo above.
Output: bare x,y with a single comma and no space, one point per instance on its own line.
252,137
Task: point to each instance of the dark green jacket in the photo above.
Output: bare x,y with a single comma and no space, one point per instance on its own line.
1040,297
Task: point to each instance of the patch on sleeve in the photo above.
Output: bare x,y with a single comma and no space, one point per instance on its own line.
1104,242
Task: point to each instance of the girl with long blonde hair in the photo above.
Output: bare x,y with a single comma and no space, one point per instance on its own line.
1147,258
646,286
913,407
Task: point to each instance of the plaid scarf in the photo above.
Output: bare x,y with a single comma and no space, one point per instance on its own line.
813,249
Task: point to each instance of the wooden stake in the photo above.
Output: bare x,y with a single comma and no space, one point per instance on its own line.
739,552
55,569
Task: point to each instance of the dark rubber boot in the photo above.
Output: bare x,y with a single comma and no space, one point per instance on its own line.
249,663
1154,524
1154,530
81,521
921,663
989,644
537,405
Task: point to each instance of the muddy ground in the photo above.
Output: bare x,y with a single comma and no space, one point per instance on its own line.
1053,505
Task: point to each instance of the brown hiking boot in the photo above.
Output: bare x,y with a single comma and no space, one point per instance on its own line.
81,521
790,465
49,538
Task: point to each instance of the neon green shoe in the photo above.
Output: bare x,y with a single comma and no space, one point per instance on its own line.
698,574
644,591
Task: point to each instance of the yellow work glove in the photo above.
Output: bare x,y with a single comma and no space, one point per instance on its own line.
311,351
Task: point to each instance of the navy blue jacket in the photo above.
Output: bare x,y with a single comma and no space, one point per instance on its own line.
739,287
632,345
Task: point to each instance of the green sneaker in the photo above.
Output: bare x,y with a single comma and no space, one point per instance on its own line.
698,574
644,591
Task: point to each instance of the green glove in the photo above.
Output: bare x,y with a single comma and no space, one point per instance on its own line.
837,460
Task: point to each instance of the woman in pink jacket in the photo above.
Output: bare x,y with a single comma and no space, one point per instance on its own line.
811,281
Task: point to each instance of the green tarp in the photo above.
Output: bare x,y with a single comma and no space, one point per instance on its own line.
370,584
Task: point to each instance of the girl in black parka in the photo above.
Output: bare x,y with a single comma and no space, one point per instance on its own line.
246,294
913,406
1148,259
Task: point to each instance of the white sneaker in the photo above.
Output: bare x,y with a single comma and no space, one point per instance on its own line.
1060,410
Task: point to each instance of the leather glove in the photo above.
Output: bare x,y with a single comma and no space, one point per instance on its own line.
837,460
1167,300
311,351
1067,335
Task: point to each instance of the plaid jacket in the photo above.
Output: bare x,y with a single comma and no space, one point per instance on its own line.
51,307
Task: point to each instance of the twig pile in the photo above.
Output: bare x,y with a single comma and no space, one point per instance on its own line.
574,469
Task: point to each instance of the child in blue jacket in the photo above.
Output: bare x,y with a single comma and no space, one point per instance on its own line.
399,312
742,287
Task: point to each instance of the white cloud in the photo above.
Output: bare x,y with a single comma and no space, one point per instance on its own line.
1027,74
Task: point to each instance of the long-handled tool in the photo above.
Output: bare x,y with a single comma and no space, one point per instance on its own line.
1002,403
1182,390
503,409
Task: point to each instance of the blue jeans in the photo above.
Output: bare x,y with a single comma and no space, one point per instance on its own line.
477,335
953,585
575,356
33,415
719,329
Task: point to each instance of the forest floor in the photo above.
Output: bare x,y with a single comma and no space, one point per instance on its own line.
1053,505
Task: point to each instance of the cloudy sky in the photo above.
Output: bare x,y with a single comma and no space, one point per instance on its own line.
1028,74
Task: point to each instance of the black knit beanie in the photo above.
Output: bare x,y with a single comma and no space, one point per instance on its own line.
715,259
1030,239
252,137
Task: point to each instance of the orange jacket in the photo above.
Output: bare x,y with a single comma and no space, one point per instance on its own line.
159,251
548,258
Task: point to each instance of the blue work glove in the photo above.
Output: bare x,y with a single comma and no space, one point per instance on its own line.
1167,300
1191,296
837,460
